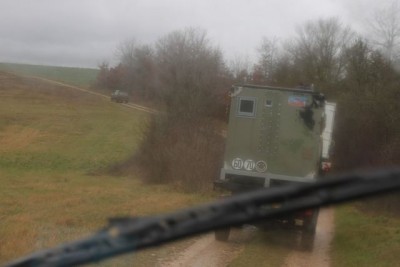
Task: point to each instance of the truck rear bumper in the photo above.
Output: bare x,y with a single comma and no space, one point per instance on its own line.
241,181
236,186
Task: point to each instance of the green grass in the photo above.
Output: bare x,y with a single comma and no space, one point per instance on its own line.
365,240
64,129
52,139
83,77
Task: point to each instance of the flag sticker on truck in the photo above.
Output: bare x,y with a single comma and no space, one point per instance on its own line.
298,101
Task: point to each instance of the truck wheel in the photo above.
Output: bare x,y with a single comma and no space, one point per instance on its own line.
222,234
311,224
308,233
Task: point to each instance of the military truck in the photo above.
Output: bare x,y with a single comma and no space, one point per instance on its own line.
119,96
273,138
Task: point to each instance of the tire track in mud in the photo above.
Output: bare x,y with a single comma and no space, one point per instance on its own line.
206,251
319,256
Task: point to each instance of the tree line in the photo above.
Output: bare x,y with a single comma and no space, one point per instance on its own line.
186,74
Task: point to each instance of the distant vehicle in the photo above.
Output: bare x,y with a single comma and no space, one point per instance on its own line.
119,96
276,136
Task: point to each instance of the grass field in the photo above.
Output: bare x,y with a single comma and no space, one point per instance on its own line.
51,140
83,77
365,239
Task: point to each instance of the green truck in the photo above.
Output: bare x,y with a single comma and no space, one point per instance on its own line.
274,138
119,96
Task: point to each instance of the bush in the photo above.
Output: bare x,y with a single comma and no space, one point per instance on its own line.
188,155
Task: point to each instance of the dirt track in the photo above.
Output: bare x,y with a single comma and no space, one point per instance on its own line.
319,256
130,105
205,251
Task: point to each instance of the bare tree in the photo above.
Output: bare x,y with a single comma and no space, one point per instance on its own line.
143,71
125,52
102,76
182,145
138,68
268,59
240,68
189,70
317,51
385,29
314,55
358,61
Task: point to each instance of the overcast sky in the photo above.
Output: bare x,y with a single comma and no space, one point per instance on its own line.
84,33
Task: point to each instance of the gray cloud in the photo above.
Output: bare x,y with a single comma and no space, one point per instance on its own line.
85,32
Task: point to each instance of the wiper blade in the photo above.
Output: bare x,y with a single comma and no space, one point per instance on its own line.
131,234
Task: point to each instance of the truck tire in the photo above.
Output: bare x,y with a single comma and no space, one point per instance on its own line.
308,233
222,234
311,224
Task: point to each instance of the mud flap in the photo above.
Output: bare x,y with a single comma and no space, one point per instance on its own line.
306,242
308,233
311,224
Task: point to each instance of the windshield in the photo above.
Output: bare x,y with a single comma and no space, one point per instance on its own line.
124,109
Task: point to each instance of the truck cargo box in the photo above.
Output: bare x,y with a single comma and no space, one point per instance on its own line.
273,137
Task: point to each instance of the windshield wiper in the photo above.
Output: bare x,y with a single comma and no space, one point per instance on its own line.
131,234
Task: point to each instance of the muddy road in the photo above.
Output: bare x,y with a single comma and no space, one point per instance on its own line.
319,256
205,251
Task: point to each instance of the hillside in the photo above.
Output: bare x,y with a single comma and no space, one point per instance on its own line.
51,139
83,77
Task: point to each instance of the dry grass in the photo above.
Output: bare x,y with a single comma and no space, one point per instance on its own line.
365,240
186,154
51,138
42,210
16,138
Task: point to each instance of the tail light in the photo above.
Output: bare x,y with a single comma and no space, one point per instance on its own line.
308,213
326,166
